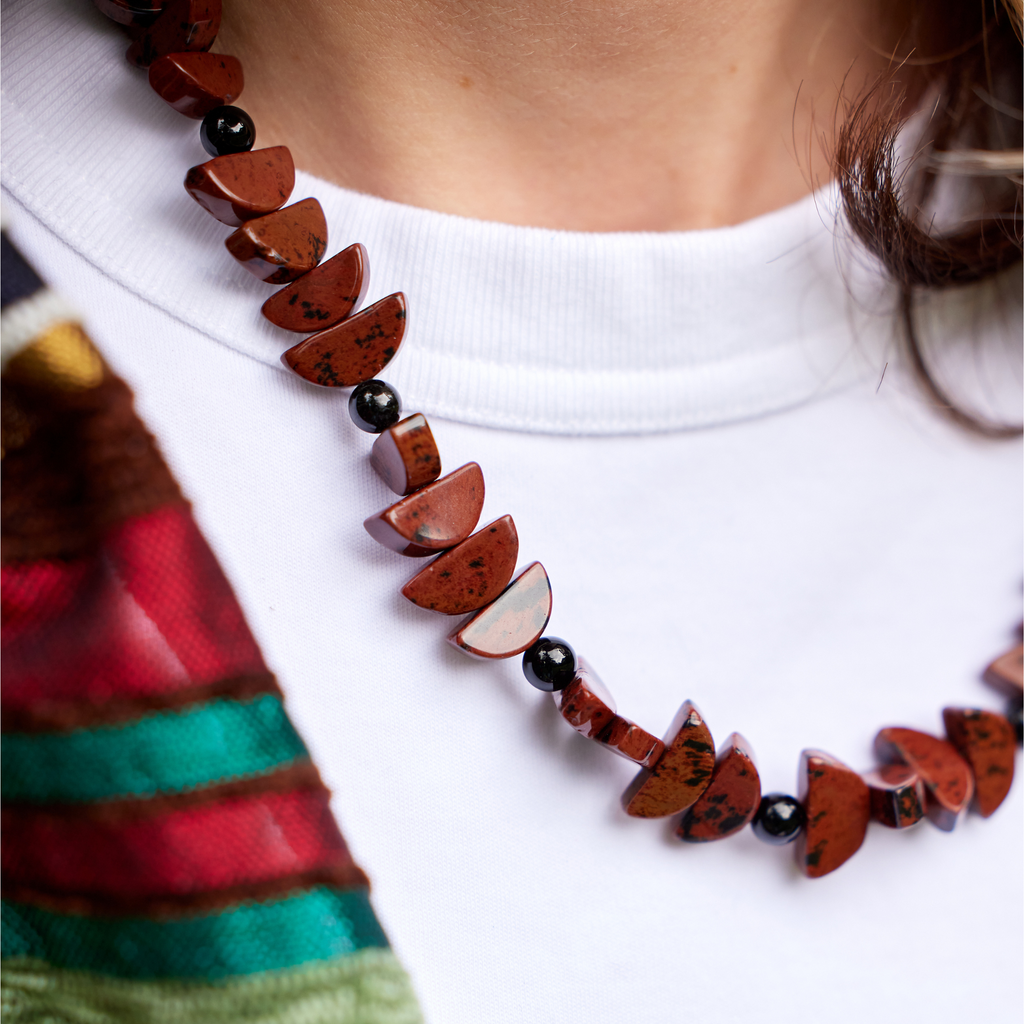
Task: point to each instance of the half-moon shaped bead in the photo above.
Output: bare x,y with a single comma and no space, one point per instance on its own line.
512,622
837,806
946,775
1006,673
681,773
405,456
238,187
731,799
470,574
434,518
324,296
182,26
589,708
897,795
282,245
987,743
195,83
586,703
631,741
353,351
134,14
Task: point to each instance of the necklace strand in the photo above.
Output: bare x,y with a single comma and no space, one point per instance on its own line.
716,793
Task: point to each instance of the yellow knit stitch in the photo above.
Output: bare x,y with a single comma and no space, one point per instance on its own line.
62,358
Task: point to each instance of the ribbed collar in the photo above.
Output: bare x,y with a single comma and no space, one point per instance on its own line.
521,328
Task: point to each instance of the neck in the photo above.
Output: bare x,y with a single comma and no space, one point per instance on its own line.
615,116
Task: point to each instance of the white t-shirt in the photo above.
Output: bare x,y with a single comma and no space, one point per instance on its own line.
735,504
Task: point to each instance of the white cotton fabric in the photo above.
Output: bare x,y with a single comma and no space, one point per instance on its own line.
740,499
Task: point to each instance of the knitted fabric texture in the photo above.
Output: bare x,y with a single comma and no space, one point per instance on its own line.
169,852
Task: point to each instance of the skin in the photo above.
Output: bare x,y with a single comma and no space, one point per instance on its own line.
589,115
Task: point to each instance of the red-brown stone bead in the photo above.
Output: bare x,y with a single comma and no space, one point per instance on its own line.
946,775
897,795
731,799
324,296
585,703
405,456
682,772
987,743
353,351
512,622
837,804
195,83
1006,673
241,186
629,740
434,518
135,13
470,574
283,245
588,707
182,26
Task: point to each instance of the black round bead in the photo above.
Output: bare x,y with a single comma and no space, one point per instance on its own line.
227,130
779,819
374,406
1014,715
550,664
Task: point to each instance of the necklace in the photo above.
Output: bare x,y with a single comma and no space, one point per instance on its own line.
717,792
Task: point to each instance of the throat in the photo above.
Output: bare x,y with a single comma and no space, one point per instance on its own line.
667,115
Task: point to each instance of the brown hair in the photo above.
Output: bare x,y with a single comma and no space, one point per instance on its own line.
954,87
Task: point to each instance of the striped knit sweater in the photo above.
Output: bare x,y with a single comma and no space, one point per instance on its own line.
169,852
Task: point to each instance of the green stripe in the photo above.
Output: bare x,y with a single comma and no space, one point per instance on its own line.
166,752
368,987
320,924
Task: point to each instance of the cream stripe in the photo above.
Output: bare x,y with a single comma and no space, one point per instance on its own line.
21,322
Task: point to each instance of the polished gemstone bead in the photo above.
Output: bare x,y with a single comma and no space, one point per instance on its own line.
282,245
470,574
374,406
629,740
406,456
434,518
946,775
240,186
1015,716
778,819
897,795
837,808
731,799
181,26
195,83
550,664
588,707
324,296
1006,673
355,350
586,703
682,772
227,130
987,743
136,13
512,622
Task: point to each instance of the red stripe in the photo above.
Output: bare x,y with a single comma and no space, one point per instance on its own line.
243,841
150,613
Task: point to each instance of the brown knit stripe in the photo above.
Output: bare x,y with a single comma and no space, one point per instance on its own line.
344,875
296,776
76,463
66,716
